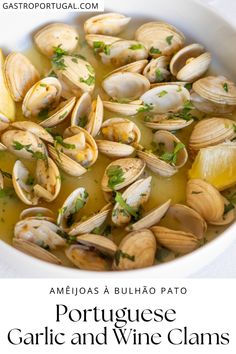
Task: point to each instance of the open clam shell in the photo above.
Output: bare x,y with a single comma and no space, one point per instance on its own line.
44,95
166,98
125,85
38,213
160,38
99,41
206,106
136,250
125,109
58,115
134,67
157,70
131,169
113,149
121,130
166,122
56,35
35,129
86,258
35,251
68,213
151,218
217,89
20,75
108,24
205,199
134,196
212,131
99,242
190,62
228,217
124,52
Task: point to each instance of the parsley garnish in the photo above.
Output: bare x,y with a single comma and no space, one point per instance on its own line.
57,59
169,39
90,69
38,155
43,114
98,45
188,86
29,181
83,121
171,157
155,51
120,254
145,108
228,208
185,113
159,75
136,46
115,176
119,199
89,81
162,93
63,115
52,74
59,140
225,87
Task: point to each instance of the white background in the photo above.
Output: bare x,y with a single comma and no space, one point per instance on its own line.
224,265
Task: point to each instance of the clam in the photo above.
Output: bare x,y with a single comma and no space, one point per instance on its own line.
36,251
168,121
134,67
210,107
60,113
125,109
38,213
68,213
166,98
121,173
90,223
190,63
157,70
128,203
76,76
125,85
228,216
24,144
46,184
150,218
205,199
160,38
123,52
212,131
86,258
42,97
113,149
88,114
35,129
216,89
167,156
56,35
108,24
136,250
190,229
99,242
40,232
99,42
20,75
121,130
75,152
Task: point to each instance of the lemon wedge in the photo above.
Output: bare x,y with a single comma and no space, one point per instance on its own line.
216,165
7,105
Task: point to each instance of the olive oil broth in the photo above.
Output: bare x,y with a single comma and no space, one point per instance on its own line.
162,188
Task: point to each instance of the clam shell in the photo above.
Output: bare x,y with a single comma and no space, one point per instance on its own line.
125,109
59,114
176,241
217,89
108,24
45,94
207,106
38,212
136,250
190,63
35,251
163,122
205,199
84,258
81,110
157,70
121,130
132,170
156,165
55,35
135,196
35,129
113,149
125,85
124,52
160,38
20,75
151,218
166,98
1,181
102,40
134,67
211,131
87,226
3,125
227,218
101,243
95,117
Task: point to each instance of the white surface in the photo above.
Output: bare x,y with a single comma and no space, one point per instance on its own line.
224,265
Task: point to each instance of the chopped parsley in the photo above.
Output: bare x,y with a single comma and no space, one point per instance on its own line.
43,114
169,39
63,115
79,204
228,208
171,157
107,49
57,59
29,181
120,254
83,121
184,113
127,208
52,74
43,85
155,51
89,81
145,108
136,46
104,230
97,45
159,75
59,140
38,155
90,69
188,86
162,93
115,176
225,87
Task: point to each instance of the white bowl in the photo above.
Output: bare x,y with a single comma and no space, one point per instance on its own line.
200,24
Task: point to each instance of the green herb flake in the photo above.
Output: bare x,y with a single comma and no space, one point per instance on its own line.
169,39
43,114
159,75
115,176
225,87
107,49
120,254
171,157
162,93
155,51
59,140
228,208
63,115
75,60
136,46
29,181
57,59
89,81
145,108
179,88
188,86
43,85
119,199
18,146
83,121
52,74
90,69
97,45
